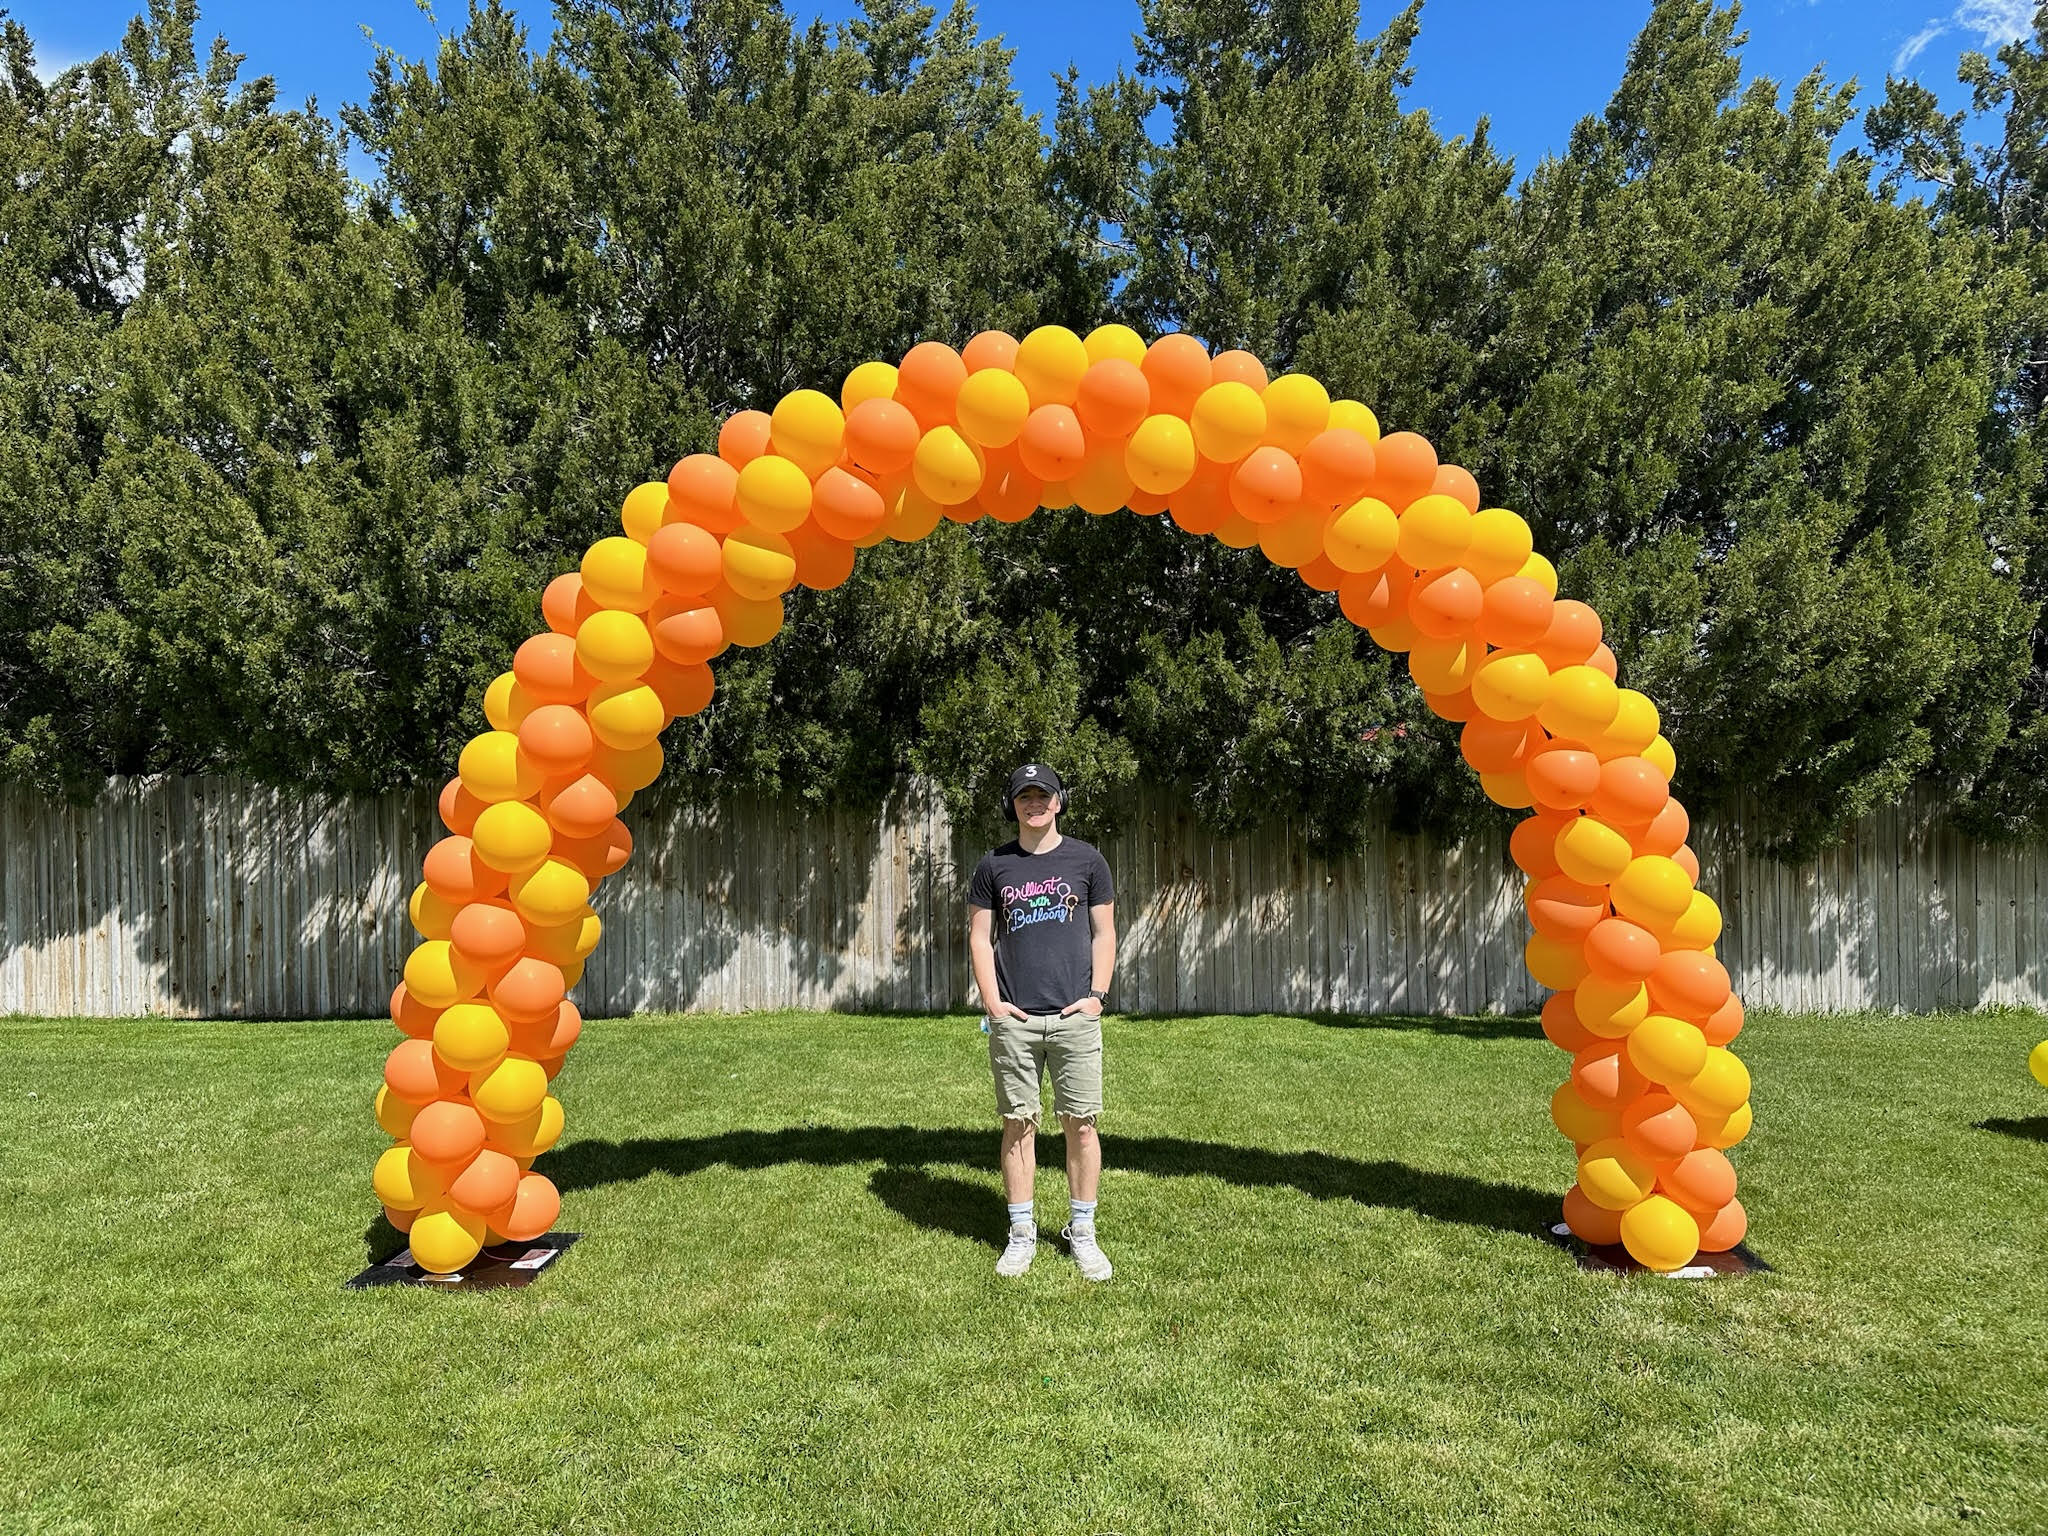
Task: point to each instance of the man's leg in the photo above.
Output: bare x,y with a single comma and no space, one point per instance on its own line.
1077,1098
1084,1157
1020,1161
1015,1058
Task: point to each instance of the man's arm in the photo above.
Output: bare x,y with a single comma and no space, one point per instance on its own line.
1102,952
982,948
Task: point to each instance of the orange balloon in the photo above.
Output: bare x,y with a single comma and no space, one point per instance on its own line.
1266,485
1457,707
1659,1127
1724,1228
1725,1023
1604,1076
548,1036
1688,861
601,855
532,1211
415,1074
744,437
1336,467
1701,1180
684,689
1458,484
1562,909
1008,490
488,933
1602,661
1667,831
1377,599
928,382
685,559
689,634
1515,613
1632,791
1321,574
453,871
703,489
1177,369
1203,504
412,1015
490,1181
530,989
1405,468
845,506
1533,843
1688,985
1052,445
558,738
1114,398
1497,746
564,603
1241,367
990,349
1590,1223
447,1131
458,807
1563,778
882,436
582,807
1572,635
1146,503
1446,603
1561,1026
823,561
1619,951
547,667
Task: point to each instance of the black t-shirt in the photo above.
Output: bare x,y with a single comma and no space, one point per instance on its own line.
1044,952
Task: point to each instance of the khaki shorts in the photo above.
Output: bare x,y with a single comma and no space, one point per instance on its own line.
1022,1051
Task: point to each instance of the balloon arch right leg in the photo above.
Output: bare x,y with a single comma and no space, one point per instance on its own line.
1000,429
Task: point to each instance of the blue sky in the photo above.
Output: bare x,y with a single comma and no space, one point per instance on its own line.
1516,61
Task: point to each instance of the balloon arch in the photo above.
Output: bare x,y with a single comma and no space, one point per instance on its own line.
1000,429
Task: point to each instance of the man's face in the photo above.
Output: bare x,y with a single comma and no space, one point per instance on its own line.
1034,806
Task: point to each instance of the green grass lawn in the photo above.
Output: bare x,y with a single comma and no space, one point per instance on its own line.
1331,1310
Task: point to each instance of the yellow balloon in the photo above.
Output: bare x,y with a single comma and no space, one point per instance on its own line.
1362,536
430,913
870,381
1667,1050
1660,1233
1228,421
1511,686
1541,571
437,977
404,1180
615,575
1721,1084
993,407
1579,1121
1660,753
1610,1009
1614,1175
1629,734
493,768
1297,408
471,1037
644,510
553,893
947,467
1699,925
626,715
446,1239
1108,341
807,429
1160,457
394,1117
912,517
1356,418
614,646
1591,852
589,928
1444,667
759,564
1728,1132
747,622
1556,965
1653,891
1501,545
631,770
1051,361
1238,532
1507,789
1293,541
506,703
511,1089
774,493
530,1134
1434,532
512,836
1582,703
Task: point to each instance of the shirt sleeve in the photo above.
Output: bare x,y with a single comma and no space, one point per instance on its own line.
1101,885
981,890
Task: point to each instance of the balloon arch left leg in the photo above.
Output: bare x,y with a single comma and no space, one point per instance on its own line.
999,429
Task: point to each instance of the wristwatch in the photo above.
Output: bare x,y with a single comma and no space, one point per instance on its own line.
1098,994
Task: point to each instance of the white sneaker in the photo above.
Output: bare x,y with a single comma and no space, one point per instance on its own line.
1019,1251
1080,1241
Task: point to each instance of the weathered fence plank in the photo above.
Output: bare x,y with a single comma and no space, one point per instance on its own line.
201,897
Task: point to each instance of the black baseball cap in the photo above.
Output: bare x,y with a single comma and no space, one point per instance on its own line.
1032,776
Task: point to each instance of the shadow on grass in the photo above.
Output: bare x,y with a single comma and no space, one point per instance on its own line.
2033,1128
957,1206
1469,1026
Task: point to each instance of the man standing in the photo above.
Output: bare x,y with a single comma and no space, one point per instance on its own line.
1042,931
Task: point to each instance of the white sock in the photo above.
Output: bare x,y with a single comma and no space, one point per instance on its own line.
1021,1214
1083,1212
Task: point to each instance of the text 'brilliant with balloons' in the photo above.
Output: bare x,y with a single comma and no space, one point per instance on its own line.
1000,429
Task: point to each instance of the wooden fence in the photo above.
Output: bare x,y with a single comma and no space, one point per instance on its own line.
203,897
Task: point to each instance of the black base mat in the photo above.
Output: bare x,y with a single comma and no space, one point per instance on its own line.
1613,1259
505,1264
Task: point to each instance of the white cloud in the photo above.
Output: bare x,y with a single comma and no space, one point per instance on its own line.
1916,44
1996,21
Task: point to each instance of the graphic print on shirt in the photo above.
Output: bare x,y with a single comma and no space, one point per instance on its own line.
1039,901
